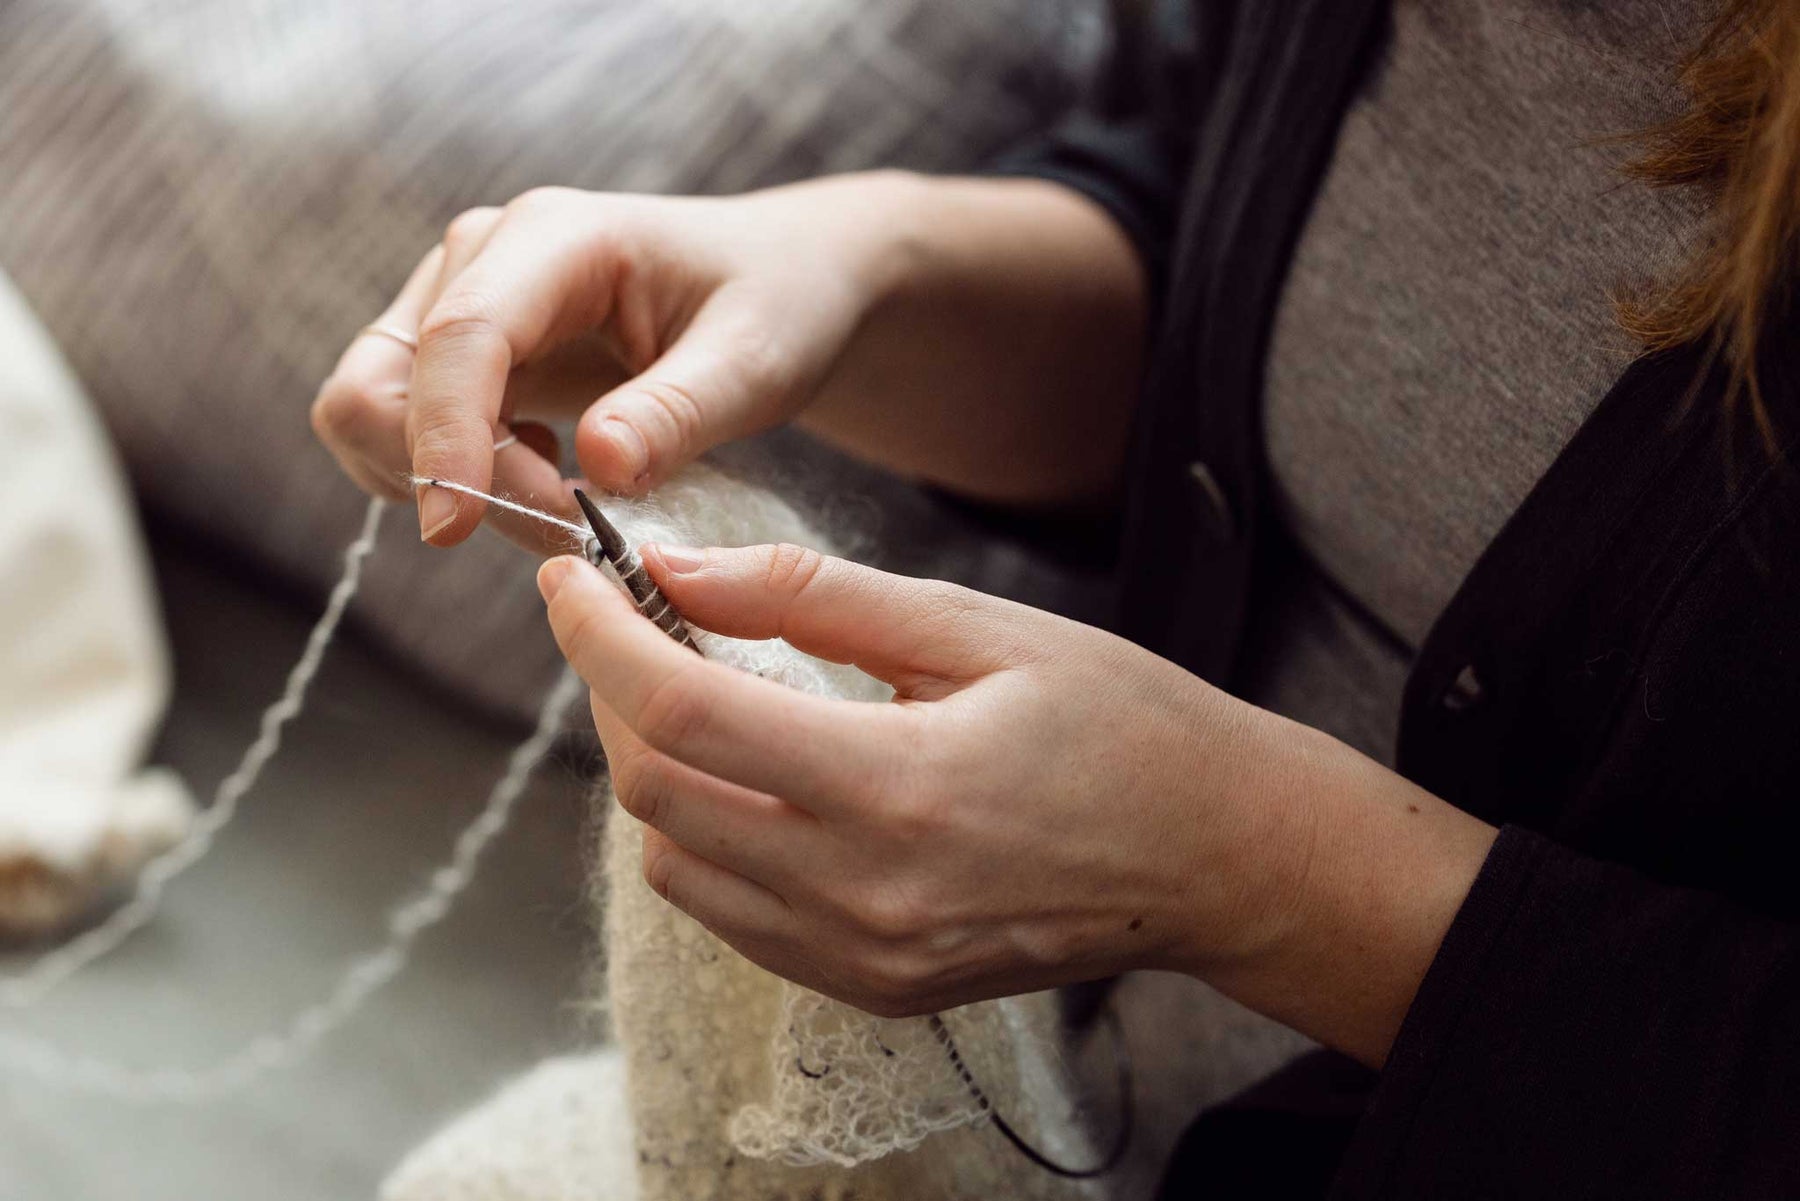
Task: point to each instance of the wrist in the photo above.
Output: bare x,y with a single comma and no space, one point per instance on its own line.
1252,892
1353,875
869,228
998,334
901,214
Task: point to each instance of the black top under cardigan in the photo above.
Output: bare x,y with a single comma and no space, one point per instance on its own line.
1615,1011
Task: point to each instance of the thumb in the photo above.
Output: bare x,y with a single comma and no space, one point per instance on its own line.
897,629
726,377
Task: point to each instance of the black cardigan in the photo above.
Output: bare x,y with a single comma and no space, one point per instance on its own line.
1616,1010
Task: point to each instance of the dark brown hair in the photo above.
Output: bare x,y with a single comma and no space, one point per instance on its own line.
1739,139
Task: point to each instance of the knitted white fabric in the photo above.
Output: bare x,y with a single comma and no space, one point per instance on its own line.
745,1086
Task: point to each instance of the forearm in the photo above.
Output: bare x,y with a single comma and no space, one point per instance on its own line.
1001,354
1362,873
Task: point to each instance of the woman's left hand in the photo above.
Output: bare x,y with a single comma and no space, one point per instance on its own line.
1043,803
1040,805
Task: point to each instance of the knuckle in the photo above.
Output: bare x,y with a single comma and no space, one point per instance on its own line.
459,317
331,409
791,569
467,226
676,407
341,408
941,614
643,787
436,439
888,915
673,714
958,606
539,200
659,871
892,986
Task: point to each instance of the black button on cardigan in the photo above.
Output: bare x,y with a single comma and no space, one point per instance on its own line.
1215,509
1465,691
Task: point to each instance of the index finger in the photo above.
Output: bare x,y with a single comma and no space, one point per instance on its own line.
817,753
532,283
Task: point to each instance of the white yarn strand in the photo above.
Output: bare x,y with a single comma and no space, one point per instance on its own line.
580,532
53,968
364,976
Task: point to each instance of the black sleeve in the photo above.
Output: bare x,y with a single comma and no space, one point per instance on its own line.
1588,1032
1128,149
1122,164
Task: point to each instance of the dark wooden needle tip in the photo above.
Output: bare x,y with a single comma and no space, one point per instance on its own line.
612,543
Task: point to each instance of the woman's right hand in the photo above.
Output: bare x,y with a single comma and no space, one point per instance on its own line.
665,325
980,333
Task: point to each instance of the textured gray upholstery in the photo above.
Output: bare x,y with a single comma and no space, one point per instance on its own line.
204,199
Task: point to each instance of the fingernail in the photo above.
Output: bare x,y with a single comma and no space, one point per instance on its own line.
634,455
551,575
437,509
681,559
